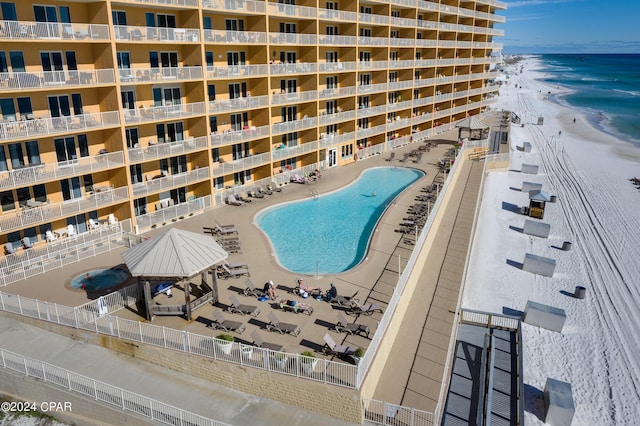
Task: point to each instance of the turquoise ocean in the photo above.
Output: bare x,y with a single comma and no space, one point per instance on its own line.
605,87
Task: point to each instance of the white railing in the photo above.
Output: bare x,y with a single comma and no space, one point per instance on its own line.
235,37
167,3
402,42
370,18
369,111
52,125
488,319
398,142
64,251
373,65
336,117
423,101
245,135
371,151
289,10
133,75
365,133
397,124
164,112
162,150
336,66
370,88
292,151
336,39
171,213
42,172
396,106
245,6
135,33
49,212
232,71
293,126
294,97
111,302
337,15
21,30
333,139
373,41
297,68
402,22
337,92
245,163
228,105
103,392
52,79
291,38
168,182
384,413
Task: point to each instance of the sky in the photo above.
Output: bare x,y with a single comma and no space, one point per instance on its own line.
571,26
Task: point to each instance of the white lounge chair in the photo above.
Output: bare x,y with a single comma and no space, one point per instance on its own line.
50,236
112,220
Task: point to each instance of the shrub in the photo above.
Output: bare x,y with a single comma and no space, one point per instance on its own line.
227,337
359,352
307,357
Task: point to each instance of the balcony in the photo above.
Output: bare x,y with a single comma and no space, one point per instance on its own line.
294,97
23,30
237,71
162,150
292,151
336,66
55,79
336,40
238,104
336,117
402,64
293,39
372,88
370,111
421,118
43,126
337,15
294,126
397,106
424,63
337,92
427,5
155,34
424,82
242,7
159,75
372,65
333,139
402,22
166,3
407,3
402,42
297,68
291,11
371,131
168,112
238,136
397,124
252,161
399,85
165,183
26,218
172,212
43,172
370,18
373,41
423,101
235,37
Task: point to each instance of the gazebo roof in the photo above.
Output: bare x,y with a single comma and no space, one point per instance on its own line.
176,253
471,123
539,196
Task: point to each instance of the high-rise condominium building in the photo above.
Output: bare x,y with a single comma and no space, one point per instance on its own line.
149,109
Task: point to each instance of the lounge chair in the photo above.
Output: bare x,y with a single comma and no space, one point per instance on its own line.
50,236
251,290
297,308
263,191
225,229
418,157
282,327
257,340
220,323
26,243
236,265
254,194
231,200
345,300
299,179
94,224
332,348
343,326
237,308
368,309
243,197
71,231
226,273
9,249
112,219
274,188
391,157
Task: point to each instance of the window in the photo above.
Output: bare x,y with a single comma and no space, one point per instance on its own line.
8,11
51,61
178,164
59,106
234,24
33,153
4,67
394,56
119,17
346,151
24,107
132,137
154,59
331,107
395,33
209,59
365,32
87,181
179,195
236,58
332,82
8,109
211,91
365,56
288,27
66,149
163,96
215,154
416,75
140,206
289,113
169,59
395,13
288,57
364,79
237,90
363,123
290,139
289,86
331,129
331,56
289,163
332,5
393,76
366,9
240,150
219,182
206,22
166,21
17,61
240,178
363,102
71,188
332,30
39,193
238,121
128,99
16,155
7,201
3,160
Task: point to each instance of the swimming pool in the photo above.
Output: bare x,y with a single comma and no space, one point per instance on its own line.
99,279
331,233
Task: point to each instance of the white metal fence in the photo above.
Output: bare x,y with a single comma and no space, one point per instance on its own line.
105,393
384,413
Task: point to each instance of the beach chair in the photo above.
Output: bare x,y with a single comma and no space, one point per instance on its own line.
345,300
235,265
392,156
71,231
282,327
9,249
343,326
220,323
231,200
226,273
257,340
263,191
94,224
299,179
251,290
243,197
368,309
332,348
50,236
254,194
26,243
112,219
225,229
286,305
237,308
274,188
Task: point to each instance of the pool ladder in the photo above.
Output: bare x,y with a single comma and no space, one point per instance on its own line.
313,194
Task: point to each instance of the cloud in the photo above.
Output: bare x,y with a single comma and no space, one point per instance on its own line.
522,3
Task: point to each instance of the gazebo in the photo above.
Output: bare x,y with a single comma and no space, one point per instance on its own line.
471,125
175,256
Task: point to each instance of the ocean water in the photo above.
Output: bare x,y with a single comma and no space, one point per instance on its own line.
605,87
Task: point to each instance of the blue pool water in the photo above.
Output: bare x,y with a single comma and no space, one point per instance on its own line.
100,279
331,234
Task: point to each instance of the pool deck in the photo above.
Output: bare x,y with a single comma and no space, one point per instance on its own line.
414,372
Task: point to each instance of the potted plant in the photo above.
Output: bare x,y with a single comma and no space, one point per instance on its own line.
224,342
280,359
357,354
308,361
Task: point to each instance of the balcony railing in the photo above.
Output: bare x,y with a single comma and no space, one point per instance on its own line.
423,82
293,39
399,85
238,136
425,63
397,124
337,15
423,101
371,88
369,111
164,112
51,212
337,92
333,139
52,79
243,6
135,75
336,117
397,106
23,30
410,3
370,18
373,41
228,105
291,11
365,133
40,126
336,40
161,150
427,5
40,173
336,66
292,151
297,68
257,160
235,37
287,98
169,182
421,118
372,65
236,71
402,64
172,212
133,33
402,42
168,3
293,126
402,22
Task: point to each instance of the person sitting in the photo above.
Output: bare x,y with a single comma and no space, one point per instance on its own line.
332,293
270,290
304,290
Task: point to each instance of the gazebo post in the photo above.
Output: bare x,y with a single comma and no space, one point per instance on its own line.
187,301
148,300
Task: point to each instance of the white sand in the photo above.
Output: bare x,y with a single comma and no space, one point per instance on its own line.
597,210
